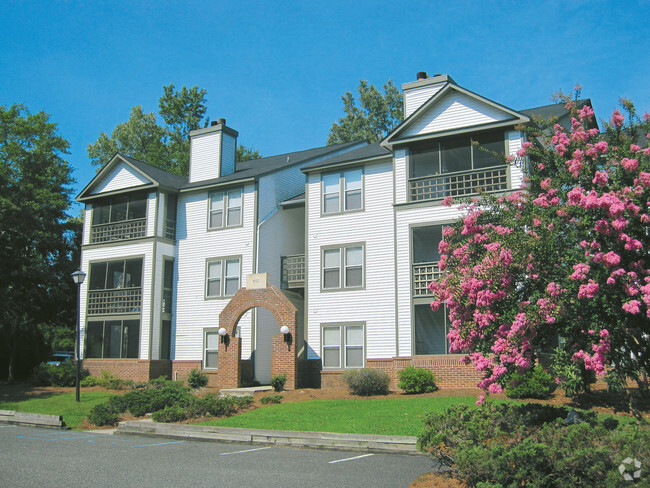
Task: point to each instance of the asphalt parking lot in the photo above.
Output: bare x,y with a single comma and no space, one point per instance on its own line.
38,457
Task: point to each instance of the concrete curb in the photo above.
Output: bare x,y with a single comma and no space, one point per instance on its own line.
285,438
34,419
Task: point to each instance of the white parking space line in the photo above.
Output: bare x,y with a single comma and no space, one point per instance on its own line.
350,459
247,450
161,444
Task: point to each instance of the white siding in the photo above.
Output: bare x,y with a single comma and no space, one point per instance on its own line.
228,154
516,172
453,111
404,218
415,98
144,249
205,155
122,176
277,187
151,213
88,218
374,305
196,244
401,176
282,234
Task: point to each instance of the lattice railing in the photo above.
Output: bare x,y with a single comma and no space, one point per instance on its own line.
170,229
293,271
130,229
458,184
423,274
123,300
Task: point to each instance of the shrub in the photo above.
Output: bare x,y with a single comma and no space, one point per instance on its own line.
278,381
88,381
366,382
102,414
64,374
107,380
271,399
156,397
196,379
531,445
534,383
417,380
170,414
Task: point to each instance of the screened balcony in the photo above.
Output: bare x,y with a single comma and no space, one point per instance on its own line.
423,274
114,302
293,271
130,229
119,218
460,184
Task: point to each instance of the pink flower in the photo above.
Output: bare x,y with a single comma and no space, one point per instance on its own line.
611,259
580,271
629,164
645,178
527,145
600,178
589,290
617,119
495,388
586,113
634,148
448,201
480,400
601,147
545,184
521,152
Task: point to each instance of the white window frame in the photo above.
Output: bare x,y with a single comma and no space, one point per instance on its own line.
223,276
227,196
343,345
343,191
343,267
206,349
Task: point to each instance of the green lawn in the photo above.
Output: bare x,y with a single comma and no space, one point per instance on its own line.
395,416
61,404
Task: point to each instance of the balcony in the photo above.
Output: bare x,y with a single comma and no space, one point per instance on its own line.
459,184
423,274
110,302
119,231
293,271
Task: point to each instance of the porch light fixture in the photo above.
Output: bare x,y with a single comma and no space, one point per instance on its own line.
223,335
287,335
78,277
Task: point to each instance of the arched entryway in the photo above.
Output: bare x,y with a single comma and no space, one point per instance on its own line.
283,352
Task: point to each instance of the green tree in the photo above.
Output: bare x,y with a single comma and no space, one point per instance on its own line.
165,146
37,238
243,153
375,116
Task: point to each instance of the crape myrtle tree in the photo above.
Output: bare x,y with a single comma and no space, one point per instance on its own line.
165,146
375,116
564,263
37,237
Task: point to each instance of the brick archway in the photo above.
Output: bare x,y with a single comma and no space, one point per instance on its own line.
283,358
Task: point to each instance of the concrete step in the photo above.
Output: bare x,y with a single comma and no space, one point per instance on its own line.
318,440
41,420
242,392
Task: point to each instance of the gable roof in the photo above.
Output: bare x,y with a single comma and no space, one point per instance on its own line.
398,134
365,153
252,170
154,177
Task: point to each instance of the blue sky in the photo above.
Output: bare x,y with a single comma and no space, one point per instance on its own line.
277,70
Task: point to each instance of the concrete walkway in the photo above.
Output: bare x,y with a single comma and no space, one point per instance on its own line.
286,438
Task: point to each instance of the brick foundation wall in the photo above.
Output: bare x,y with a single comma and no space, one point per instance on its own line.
180,370
448,370
129,369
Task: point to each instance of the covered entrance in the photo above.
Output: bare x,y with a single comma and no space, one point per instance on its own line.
283,347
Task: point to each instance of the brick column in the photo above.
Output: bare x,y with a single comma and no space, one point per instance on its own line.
228,360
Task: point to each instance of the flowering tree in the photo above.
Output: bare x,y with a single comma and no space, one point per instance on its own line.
566,258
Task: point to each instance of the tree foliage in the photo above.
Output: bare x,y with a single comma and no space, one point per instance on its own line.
568,256
165,146
376,114
37,238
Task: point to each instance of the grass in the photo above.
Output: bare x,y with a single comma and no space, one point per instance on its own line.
61,404
394,416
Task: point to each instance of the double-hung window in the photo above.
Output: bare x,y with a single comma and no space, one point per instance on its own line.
211,349
343,191
343,267
222,277
225,209
342,346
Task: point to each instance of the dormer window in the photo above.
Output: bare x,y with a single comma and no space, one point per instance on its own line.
470,163
119,217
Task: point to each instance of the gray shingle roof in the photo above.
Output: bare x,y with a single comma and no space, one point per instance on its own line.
553,110
366,152
164,178
254,169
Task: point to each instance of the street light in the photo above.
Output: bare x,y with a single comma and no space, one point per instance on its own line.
78,277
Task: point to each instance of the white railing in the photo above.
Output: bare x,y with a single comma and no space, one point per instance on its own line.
129,229
460,184
293,271
108,302
423,274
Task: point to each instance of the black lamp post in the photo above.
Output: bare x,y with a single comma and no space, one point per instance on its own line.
78,277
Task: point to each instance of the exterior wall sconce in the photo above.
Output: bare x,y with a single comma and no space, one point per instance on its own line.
287,335
223,336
